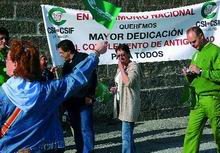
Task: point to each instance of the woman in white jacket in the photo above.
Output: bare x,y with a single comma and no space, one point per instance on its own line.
127,95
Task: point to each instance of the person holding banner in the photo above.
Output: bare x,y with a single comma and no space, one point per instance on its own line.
80,106
127,101
4,38
203,75
29,108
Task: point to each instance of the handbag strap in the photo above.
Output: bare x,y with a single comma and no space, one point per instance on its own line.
10,121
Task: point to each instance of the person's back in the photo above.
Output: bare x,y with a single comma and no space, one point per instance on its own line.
37,127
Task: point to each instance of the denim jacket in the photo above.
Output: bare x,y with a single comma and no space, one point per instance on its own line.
37,126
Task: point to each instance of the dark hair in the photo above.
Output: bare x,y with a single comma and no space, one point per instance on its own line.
125,48
4,31
67,45
198,31
26,55
43,55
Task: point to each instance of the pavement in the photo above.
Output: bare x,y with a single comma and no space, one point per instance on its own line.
154,136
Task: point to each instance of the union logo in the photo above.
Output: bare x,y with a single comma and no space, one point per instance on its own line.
55,16
209,10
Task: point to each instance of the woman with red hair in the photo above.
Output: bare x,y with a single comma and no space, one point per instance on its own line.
37,127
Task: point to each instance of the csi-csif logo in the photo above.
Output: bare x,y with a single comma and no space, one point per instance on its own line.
209,10
55,16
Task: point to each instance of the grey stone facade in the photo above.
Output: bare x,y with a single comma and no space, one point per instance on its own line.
162,81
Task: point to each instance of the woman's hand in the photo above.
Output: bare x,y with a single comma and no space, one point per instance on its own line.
120,66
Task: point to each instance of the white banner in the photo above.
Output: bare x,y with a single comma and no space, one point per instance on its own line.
151,36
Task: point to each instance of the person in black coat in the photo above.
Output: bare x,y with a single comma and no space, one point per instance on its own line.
80,107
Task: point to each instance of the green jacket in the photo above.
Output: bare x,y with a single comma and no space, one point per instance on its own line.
208,60
3,75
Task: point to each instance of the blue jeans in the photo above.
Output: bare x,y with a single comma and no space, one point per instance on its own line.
128,145
81,120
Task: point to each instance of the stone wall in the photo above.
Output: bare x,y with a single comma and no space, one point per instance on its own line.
162,81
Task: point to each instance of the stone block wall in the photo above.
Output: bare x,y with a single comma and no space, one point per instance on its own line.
162,82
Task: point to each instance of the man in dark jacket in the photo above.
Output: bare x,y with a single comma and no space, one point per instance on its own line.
79,108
